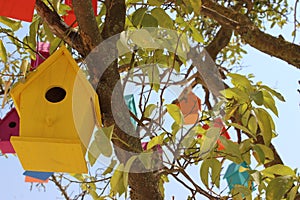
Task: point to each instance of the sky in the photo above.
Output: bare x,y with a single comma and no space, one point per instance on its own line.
271,71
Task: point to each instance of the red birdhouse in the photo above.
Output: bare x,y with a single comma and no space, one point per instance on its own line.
190,105
9,126
17,9
70,17
218,124
43,53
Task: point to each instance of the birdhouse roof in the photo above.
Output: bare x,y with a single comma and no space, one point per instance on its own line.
45,67
11,114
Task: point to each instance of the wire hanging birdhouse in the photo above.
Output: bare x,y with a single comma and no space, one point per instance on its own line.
22,10
70,17
58,110
237,175
9,126
190,105
42,54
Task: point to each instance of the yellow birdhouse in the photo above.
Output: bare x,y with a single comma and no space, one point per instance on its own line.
58,110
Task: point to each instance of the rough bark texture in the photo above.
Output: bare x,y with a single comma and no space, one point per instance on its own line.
264,42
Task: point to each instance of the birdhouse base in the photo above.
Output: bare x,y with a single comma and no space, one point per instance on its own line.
6,147
50,155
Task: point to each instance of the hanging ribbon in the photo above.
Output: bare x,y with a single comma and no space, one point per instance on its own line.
17,9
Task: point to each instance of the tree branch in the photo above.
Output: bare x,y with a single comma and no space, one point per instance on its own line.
59,28
264,42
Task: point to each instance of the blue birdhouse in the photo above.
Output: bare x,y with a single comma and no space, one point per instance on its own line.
130,103
38,175
234,176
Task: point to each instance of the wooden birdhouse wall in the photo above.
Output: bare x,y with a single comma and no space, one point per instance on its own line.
9,126
58,111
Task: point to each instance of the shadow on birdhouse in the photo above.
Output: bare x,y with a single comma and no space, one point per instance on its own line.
190,105
43,53
9,126
236,174
70,17
58,110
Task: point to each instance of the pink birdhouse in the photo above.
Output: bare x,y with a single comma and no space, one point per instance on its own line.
43,53
9,126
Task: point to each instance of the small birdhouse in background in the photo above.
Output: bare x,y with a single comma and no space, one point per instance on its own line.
29,179
70,17
40,177
58,110
43,53
237,174
16,9
130,103
218,124
190,105
9,126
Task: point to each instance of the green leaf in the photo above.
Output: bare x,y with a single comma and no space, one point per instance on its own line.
142,38
196,5
175,113
138,16
117,182
240,191
163,19
252,125
149,109
278,187
14,25
231,150
259,154
258,98
264,125
157,140
269,102
149,21
127,170
209,141
3,54
215,167
273,92
242,128
235,93
146,159
196,34
110,168
293,192
278,169
155,2
267,151
240,81
153,74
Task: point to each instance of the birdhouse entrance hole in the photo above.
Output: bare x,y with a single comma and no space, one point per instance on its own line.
12,124
55,94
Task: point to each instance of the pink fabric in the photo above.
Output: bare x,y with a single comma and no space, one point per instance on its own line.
145,144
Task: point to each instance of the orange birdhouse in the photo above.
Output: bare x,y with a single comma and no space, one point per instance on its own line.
190,105
58,110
